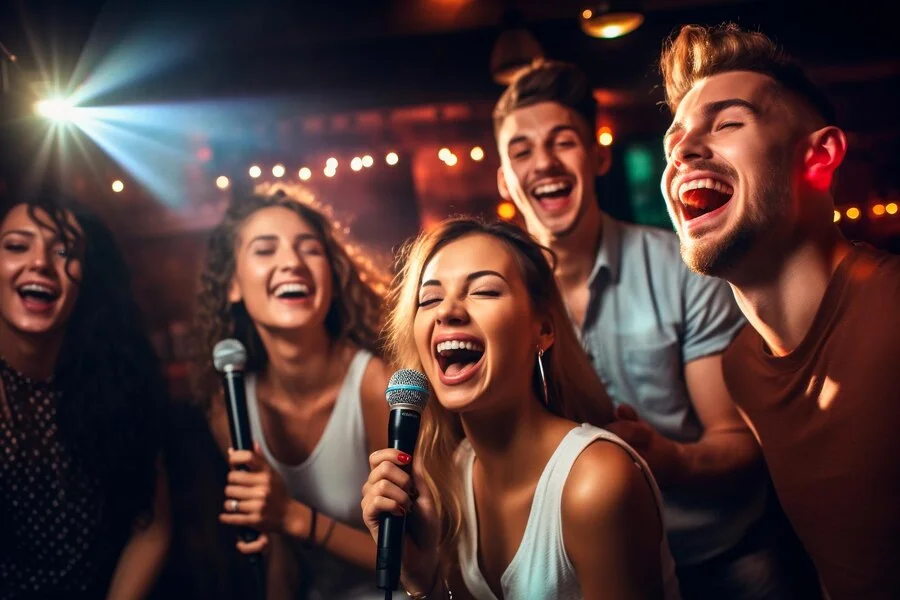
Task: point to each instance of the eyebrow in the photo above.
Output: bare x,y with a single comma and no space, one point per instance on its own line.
711,109
24,232
554,131
274,238
469,278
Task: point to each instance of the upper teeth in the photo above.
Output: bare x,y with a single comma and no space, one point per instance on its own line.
459,345
550,188
708,183
34,287
288,288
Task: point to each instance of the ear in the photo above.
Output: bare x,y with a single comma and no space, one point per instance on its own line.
501,185
546,337
604,159
825,152
234,292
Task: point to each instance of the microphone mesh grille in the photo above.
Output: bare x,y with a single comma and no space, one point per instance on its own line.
229,353
408,386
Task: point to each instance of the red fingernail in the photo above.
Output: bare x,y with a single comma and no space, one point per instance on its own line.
404,457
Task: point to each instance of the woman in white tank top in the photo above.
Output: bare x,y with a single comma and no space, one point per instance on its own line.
279,279
512,497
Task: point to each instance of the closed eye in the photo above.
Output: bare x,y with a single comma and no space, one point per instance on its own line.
17,248
428,302
728,124
488,293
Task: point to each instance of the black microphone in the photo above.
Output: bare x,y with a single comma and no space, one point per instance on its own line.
407,394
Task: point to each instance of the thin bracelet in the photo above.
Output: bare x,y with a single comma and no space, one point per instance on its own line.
311,538
427,595
328,531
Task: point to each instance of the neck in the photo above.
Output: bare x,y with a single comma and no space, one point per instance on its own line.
507,441
576,251
298,367
781,298
33,356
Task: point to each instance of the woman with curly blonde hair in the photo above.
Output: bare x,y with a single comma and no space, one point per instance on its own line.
517,491
279,278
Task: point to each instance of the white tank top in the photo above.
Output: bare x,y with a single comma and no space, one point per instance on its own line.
541,568
330,480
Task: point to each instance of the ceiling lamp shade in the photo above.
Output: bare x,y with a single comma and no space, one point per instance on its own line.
514,50
608,20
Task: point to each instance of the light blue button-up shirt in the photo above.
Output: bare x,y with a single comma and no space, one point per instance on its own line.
648,315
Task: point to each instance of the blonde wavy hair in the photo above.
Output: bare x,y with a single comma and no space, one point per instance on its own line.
358,285
574,390
696,52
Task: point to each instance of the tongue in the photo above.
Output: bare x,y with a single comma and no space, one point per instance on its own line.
454,369
701,201
36,303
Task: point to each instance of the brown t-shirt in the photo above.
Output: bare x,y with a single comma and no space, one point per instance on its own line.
828,418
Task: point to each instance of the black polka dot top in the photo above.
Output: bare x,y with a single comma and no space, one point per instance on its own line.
54,540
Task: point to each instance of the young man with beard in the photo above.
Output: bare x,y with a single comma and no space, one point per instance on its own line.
654,332
752,152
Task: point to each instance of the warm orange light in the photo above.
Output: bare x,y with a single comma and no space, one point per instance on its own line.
891,208
329,172
331,163
853,213
451,160
444,154
506,210
477,153
878,210
356,164
392,158
587,13
605,136
305,173
837,216
368,161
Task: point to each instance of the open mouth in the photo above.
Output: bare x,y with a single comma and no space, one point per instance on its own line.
699,197
458,358
38,294
292,291
552,195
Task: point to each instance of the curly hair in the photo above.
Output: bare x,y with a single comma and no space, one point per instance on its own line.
574,390
697,52
114,394
355,313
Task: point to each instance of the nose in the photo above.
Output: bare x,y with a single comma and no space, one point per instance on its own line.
451,312
291,259
545,158
691,147
40,259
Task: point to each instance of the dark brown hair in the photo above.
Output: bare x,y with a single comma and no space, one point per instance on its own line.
548,81
698,52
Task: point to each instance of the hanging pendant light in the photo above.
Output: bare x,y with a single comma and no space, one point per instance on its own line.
608,20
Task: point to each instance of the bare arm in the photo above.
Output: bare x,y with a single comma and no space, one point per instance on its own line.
727,453
144,555
611,526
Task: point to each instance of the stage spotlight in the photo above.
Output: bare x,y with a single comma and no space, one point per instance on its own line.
55,109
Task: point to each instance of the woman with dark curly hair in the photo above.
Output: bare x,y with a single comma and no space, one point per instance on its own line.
279,279
83,502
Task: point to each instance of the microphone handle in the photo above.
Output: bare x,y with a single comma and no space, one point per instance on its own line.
403,432
239,426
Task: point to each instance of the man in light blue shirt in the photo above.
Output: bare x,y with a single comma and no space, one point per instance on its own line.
654,330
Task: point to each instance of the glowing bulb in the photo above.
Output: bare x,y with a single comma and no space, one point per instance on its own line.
367,161
878,210
506,210
451,160
278,170
55,109
587,13
605,136
853,213
891,208
837,216
444,154
117,186
255,171
332,163
477,153
222,182
392,158
305,173
356,164
329,172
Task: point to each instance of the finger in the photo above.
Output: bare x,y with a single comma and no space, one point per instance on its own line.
241,519
389,454
242,492
626,413
247,459
247,507
254,547
247,478
375,506
390,472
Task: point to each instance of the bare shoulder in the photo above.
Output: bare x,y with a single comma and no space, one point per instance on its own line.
374,407
375,380
605,482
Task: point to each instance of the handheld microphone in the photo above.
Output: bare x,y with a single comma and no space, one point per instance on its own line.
229,358
407,394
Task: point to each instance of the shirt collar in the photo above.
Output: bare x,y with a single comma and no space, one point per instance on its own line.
610,252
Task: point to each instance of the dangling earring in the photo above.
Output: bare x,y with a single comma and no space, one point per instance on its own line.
540,356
